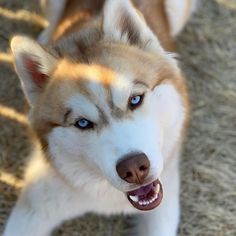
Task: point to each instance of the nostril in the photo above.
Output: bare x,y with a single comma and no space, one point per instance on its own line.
142,168
128,174
133,168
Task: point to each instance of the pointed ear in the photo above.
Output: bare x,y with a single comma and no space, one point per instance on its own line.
34,66
122,22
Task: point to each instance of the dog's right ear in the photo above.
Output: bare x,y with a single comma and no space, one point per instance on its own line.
34,65
123,23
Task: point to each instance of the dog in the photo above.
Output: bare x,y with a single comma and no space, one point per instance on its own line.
109,108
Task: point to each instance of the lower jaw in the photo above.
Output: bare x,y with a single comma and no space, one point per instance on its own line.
150,200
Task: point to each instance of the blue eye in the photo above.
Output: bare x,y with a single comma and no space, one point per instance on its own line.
135,101
84,124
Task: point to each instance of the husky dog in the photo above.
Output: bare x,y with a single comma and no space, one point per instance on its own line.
109,108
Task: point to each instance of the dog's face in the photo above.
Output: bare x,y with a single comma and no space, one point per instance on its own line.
111,116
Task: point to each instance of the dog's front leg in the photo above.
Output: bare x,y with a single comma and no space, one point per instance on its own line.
42,206
163,221
25,221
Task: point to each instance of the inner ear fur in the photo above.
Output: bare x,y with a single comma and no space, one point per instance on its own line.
123,23
34,65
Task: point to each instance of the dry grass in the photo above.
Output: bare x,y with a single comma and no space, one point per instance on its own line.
208,57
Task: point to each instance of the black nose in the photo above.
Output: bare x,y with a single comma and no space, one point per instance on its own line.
133,168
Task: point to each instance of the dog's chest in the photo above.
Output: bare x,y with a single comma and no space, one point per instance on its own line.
106,200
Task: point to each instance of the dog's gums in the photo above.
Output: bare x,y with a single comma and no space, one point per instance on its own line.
147,197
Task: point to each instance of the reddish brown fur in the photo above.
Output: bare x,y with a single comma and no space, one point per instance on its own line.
81,14
107,59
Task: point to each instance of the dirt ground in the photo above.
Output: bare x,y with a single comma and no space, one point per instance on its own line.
207,49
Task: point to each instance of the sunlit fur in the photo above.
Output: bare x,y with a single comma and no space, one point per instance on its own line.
92,75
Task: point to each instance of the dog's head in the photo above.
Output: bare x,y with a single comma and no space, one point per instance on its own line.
106,104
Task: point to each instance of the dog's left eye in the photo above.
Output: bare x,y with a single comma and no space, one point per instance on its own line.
84,124
135,101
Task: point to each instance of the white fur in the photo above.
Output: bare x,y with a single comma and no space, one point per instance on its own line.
164,219
48,200
24,47
80,103
113,30
178,12
83,177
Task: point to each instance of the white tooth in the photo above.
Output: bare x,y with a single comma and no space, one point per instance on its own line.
134,198
157,188
140,203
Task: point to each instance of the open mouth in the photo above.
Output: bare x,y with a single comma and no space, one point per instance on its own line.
147,197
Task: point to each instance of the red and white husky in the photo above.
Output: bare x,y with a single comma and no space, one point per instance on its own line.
109,107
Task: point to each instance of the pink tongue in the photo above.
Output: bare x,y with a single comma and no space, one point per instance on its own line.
141,191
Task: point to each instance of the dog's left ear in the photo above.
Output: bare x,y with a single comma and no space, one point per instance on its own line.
123,23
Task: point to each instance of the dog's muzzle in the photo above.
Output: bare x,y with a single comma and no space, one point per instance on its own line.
146,197
134,168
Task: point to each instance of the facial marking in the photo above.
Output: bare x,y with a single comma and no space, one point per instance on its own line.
99,96
66,116
82,107
140,83
139,88
120,92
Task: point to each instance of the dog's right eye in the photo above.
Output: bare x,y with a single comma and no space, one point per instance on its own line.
84,124
135,101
